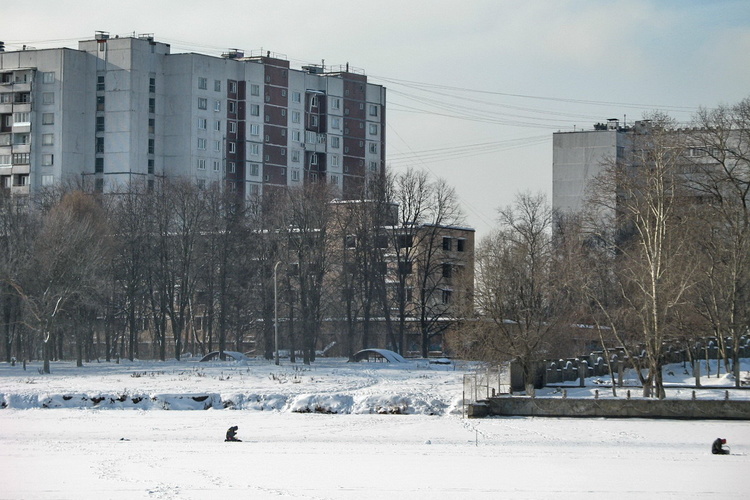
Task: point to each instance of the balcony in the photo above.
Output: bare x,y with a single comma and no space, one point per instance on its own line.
315,142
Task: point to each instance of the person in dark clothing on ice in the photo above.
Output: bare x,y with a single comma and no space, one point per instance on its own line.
717,448
232,434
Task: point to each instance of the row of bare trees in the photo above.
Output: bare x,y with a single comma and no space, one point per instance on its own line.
660,255
183,266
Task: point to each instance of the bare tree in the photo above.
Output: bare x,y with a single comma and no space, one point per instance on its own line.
130,218
653,266
69,259
309,227
516,293
425,208
18,229
719,162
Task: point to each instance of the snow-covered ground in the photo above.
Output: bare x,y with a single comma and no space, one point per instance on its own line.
119,449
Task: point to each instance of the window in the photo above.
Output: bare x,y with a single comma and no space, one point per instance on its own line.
296,97
335,103
100,144
447,243
99,165
231,147
295,174
255,110
217,165
5,160
447,296
335,142
405,267
150,146
313,159
48,180
405,241
460,245
20,158
254,129
334,161
232,127
217,125
48,77
254,169
202,83
201,183
99,185
48,98
373,129
295,116
336,123
201,164
217,106
232,107
19,118
202,123
217,85
100,103
447,270
296,136
233,87
232,167
254,89
100,124
335,180
217,146
373,166
150,166
373,147
201,143
48,118
151,125
47,139
295,155
314,101
373,110
100,83
202,103
151,105
313,120
268,138
255,149
152,85
47,160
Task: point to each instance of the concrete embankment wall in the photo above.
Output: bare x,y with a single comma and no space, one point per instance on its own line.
619,408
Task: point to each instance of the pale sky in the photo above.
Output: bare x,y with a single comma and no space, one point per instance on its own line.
475,88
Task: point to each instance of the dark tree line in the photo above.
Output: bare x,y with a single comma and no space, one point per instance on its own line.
178,268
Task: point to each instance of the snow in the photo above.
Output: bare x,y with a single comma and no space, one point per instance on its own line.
338,430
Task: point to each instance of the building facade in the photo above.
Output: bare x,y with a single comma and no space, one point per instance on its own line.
578,157
125,109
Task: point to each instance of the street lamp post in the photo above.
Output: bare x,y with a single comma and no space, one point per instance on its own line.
276,313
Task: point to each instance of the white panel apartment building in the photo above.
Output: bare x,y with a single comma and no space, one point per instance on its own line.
123,109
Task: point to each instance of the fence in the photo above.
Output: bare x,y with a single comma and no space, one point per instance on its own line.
486,383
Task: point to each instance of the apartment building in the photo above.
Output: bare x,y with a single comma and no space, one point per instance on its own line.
578,157
125,109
